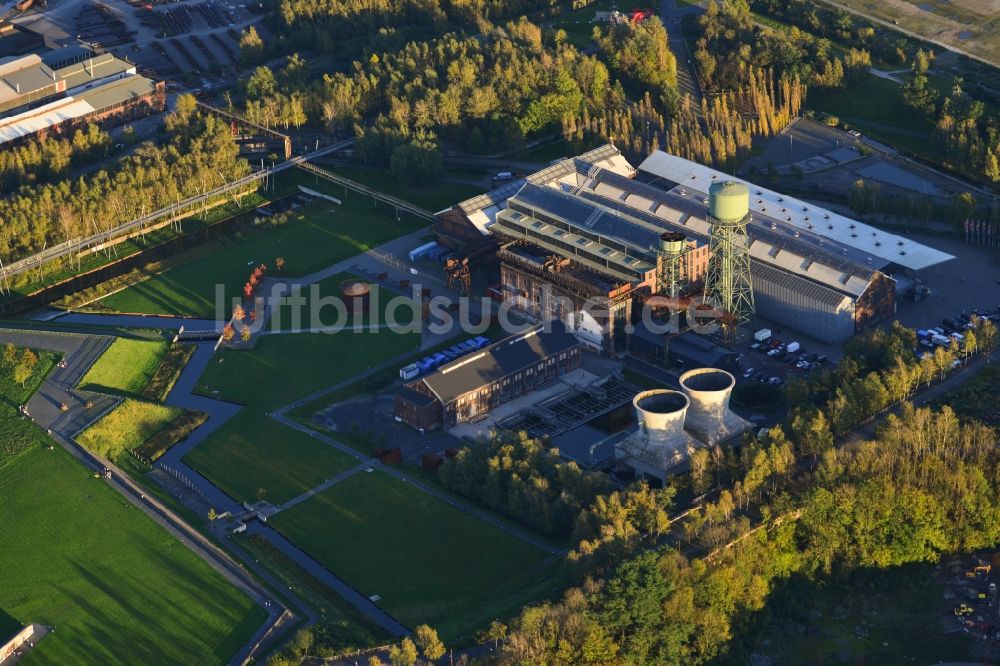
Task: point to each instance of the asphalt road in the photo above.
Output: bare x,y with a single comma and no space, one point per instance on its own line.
687,78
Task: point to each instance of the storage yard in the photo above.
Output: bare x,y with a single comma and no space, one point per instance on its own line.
169,39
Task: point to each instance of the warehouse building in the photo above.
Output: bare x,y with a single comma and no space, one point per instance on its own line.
466,389
60,90
590,228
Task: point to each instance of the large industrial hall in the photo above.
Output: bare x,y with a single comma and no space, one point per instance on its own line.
61,89
594,229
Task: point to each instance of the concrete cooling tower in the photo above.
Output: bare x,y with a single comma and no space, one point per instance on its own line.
709,418
661,443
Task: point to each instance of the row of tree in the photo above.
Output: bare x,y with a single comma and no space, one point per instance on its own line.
425,647
879,369
719,133
50,157
199,155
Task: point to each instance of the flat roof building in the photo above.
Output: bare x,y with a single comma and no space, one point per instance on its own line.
70,86
597,220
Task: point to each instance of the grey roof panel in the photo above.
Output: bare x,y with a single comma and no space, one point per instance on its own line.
812,290
30,79
116,92
499,360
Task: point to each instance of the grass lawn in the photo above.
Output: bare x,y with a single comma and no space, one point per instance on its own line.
404,311
282,368
118,588
433,196
429,562
875,106
126,367
127,427
341,627
316,236
253,451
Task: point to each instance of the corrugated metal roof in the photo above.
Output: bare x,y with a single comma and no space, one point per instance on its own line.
499,360
66,55
29,79
871,242
93,70
118,91
800,285
48,115
68,108
481,210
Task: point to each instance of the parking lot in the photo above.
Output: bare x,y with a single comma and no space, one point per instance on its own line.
781,356
958,288
971,281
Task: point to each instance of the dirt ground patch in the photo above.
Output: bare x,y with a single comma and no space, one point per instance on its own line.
969,25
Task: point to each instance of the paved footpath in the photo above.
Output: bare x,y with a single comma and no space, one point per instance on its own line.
80,352
137,321
83,349
407,478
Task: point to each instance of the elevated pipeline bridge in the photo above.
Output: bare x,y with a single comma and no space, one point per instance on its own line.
179,209
252,138
399,204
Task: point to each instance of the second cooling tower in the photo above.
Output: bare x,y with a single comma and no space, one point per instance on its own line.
709,417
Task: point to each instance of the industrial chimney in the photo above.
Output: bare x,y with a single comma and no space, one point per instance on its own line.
709,418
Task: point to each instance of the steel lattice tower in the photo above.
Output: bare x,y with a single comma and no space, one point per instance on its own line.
671,267
727,284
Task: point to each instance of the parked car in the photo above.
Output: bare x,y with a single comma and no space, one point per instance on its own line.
748,374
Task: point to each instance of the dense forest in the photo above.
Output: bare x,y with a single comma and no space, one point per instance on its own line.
514,82
927,484
330,26
200,154
524,479
790,504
